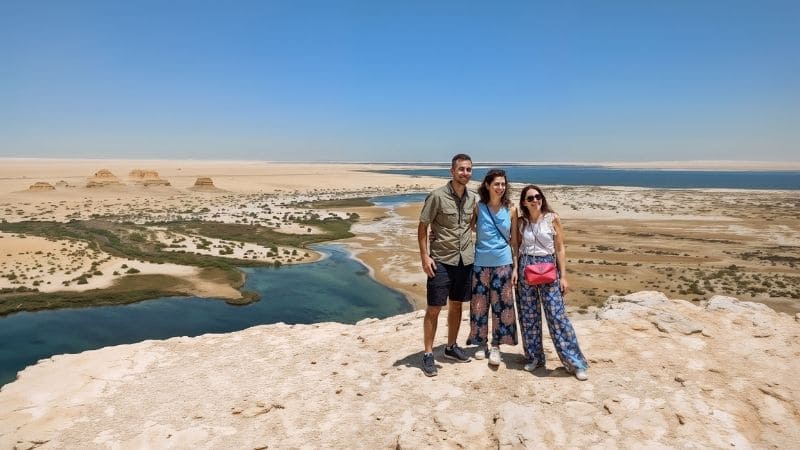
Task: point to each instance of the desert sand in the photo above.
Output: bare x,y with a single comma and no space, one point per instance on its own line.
688,243
244,192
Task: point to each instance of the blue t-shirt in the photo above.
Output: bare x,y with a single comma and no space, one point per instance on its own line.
491,248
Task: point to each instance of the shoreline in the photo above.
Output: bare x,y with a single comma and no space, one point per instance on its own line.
683,165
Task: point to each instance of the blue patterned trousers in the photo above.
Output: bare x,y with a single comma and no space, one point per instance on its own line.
529,299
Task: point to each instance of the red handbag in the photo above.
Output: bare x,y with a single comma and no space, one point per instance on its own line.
540,273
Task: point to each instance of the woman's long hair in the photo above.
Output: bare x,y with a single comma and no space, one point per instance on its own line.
524,209
483,191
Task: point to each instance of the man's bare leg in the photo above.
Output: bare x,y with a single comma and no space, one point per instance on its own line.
453,321
429,326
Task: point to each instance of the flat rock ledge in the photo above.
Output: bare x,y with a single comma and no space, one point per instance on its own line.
664,374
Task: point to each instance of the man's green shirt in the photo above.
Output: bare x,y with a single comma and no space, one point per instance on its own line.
449,217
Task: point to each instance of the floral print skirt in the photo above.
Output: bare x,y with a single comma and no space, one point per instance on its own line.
530,302
492,288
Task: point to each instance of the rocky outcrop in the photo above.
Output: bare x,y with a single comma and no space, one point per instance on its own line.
41,186
103,178
205,184
147,178
664,374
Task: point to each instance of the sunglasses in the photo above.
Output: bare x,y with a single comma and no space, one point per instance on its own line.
531,198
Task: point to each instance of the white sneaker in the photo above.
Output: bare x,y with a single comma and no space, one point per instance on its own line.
530,367
581,375
494,356
481,353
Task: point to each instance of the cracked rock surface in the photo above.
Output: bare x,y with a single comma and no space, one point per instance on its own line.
664,374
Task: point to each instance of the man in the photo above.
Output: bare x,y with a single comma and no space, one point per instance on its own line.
447,261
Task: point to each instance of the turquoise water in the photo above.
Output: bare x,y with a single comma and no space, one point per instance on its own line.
604,176
337,289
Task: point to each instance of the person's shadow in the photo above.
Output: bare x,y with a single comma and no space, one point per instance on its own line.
414,360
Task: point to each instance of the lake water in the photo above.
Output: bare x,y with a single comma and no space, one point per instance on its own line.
604,176
337,288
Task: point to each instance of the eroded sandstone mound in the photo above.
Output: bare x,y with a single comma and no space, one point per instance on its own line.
147,178
41,186
664,374
103,178
205,184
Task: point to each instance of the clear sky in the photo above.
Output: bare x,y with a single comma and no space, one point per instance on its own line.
380,80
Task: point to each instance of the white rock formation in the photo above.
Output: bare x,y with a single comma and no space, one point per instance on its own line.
664,374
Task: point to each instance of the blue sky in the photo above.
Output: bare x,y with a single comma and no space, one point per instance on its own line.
401,81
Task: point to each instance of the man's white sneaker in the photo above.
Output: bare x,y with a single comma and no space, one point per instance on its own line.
482,353
581,374
494,356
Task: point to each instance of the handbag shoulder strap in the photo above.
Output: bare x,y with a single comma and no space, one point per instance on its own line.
535,237
491,216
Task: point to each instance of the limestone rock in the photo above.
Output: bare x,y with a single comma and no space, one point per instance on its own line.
632,305
41,186
668,323
258,388
103,178
147,178
723,303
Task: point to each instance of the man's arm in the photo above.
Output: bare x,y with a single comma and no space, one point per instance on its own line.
428,266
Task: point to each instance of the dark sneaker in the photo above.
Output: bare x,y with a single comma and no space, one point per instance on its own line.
455,352
428,365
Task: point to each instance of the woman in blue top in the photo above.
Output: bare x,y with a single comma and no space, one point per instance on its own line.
495,269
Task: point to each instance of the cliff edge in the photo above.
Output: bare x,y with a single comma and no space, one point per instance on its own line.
664,374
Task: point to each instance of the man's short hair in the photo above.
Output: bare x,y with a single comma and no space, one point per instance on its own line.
459,157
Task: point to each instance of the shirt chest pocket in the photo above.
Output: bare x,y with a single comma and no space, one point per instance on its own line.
448,217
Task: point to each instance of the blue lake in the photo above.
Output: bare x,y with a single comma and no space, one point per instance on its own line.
337,288
604,176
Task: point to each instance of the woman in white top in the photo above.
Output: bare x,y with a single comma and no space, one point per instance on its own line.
540,238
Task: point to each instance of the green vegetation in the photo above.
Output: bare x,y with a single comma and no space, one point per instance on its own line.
130,241
339,203
126,290
333,228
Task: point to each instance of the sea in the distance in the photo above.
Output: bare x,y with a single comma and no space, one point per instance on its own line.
337,289
649,178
